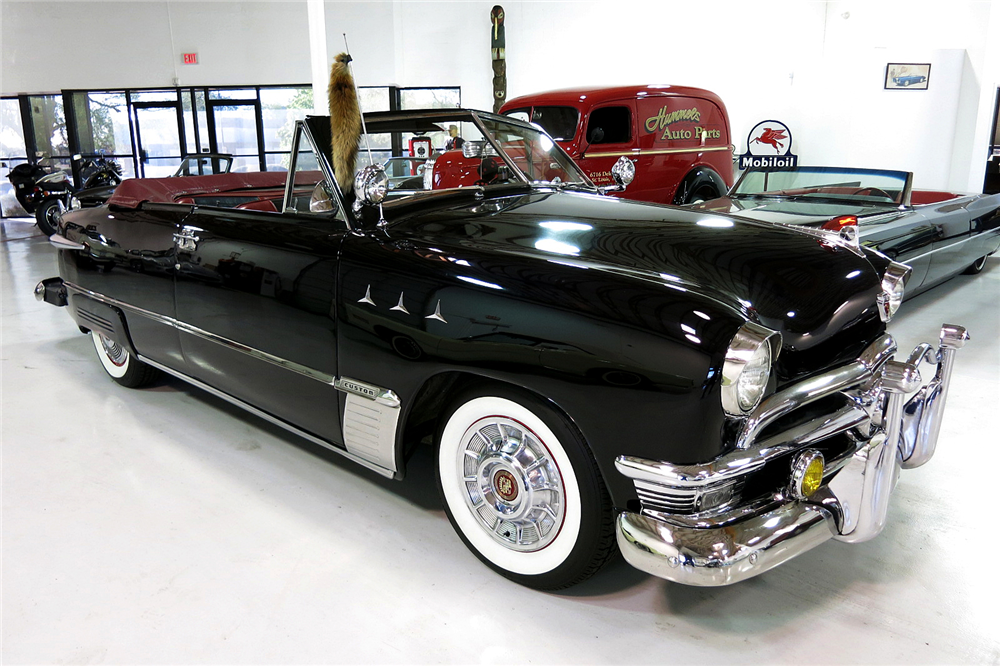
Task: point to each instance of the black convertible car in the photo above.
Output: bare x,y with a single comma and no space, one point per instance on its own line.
937,234
715,395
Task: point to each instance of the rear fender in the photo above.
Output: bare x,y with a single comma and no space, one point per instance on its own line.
93,315
697,178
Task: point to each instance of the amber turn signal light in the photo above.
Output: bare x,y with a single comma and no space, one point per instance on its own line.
807,474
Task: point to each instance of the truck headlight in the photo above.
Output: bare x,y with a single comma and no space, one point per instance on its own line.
893,282
748,367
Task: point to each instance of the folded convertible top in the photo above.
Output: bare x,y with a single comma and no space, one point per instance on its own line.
131,193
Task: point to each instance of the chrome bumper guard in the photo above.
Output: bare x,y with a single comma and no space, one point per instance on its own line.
733,542
52,290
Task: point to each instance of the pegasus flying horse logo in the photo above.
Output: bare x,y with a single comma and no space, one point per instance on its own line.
769,146
773,138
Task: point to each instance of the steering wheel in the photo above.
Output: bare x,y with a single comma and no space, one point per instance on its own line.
873,192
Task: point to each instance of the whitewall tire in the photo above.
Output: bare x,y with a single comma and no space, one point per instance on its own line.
120,364
522,490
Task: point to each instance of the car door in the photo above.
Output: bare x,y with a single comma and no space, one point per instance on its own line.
953,227
609,134
255,299
675,134
130,260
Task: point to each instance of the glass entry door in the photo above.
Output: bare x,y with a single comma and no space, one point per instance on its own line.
159,132
234,127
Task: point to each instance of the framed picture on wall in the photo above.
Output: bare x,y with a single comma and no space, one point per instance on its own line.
907,76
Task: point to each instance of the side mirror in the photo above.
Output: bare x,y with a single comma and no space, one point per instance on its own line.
623,172
371,185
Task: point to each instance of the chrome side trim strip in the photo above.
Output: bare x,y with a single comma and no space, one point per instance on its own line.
388,473
378,394
193,330
664,151
946,247
163,319
256,353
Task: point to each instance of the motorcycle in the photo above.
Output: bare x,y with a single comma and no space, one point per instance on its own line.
45,191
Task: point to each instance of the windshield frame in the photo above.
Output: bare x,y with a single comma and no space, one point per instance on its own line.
374,122
904,198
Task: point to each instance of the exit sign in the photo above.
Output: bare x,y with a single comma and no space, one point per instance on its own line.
190,58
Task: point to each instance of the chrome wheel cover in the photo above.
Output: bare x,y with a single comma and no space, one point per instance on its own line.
53,214
512,484
117,354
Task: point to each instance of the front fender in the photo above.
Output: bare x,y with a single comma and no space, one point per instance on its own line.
630,364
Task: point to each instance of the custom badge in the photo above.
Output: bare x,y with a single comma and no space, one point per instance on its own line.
505,485
769,145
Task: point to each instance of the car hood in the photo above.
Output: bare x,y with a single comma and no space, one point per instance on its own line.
805,286
789,211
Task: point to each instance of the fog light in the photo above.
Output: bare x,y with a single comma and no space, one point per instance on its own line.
807,474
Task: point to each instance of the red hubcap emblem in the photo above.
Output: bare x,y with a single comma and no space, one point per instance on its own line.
505,485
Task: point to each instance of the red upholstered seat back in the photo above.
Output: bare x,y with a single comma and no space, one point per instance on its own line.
134,191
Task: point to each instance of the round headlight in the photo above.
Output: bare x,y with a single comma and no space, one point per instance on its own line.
753,380
747,368
74,203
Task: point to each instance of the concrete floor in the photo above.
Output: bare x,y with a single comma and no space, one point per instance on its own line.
165,526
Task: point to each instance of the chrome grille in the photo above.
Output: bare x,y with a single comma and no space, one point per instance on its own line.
691,499
662,498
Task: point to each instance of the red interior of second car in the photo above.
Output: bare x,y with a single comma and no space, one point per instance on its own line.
251,191
922,197
453,169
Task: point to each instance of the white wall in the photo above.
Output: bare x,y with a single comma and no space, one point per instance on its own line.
818,66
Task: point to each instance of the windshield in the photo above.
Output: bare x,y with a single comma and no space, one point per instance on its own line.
869,186
559,121
421,151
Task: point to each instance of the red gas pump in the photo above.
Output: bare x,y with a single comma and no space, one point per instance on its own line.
420,148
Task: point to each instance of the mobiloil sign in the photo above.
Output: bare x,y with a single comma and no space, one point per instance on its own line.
769,146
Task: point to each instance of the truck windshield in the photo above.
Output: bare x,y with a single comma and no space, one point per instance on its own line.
559,121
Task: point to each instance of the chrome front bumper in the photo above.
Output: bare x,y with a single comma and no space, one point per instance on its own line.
737,542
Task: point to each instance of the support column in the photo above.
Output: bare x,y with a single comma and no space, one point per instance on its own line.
318,55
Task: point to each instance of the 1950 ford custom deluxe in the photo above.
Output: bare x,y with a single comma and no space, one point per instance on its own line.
713,395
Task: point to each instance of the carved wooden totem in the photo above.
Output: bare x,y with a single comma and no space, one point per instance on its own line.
498,46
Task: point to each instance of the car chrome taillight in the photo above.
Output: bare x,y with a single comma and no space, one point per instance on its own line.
747,368
845,226
893,283
838,223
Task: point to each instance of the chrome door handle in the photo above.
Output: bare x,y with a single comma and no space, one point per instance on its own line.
187,239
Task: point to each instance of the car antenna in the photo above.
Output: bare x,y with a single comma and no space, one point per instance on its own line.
364,129
357,93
